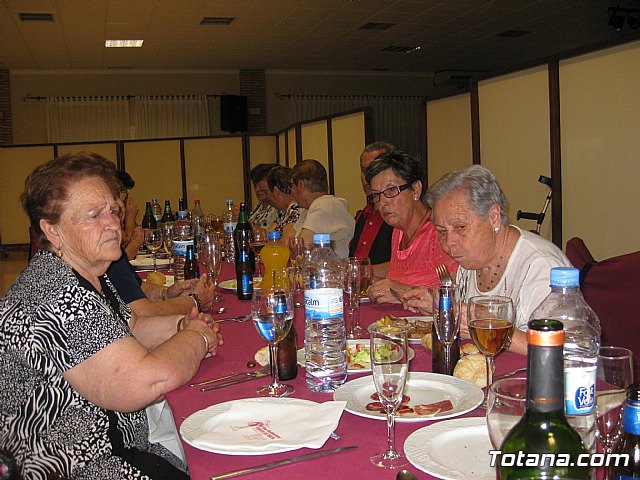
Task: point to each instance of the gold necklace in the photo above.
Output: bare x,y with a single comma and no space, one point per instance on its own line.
408,242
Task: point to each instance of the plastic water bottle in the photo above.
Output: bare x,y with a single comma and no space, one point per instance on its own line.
582,344
197,223
156,209
182,238
325,344
229,225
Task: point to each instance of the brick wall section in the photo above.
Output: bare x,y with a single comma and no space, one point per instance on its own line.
6,132
252,85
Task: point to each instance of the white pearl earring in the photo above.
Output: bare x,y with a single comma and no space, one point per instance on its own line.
496,229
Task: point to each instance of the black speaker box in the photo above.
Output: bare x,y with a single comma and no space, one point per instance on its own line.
233,113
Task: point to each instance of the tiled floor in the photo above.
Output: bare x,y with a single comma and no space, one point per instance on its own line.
11,267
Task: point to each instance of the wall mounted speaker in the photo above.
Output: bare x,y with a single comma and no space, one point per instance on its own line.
233,113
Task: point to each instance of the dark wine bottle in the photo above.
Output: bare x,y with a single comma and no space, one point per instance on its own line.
543,429
244,257
149,221
191,269
629,444
167,216
288,356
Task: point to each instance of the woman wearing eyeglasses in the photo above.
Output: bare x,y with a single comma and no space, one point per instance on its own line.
396,187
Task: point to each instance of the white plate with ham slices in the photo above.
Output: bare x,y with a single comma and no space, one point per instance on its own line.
427,396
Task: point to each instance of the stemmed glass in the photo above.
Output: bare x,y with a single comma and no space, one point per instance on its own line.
296,251
506,406
167,240
272,312
390,367
351,288
258,241
446,316
490,321
615,374
153,242
210,254
366,275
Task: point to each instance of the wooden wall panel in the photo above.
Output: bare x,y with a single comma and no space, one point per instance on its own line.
348,133
291,137
315,142
514,139
599,107
448,136
155,167
15,164
214,172
282,148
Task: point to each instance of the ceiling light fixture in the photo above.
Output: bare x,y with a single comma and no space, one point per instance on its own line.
123,43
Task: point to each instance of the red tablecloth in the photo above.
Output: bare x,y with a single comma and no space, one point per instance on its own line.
241,342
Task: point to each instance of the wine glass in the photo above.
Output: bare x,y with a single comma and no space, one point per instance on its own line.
210,254
153,242
351,268
506,406
272,312
167,241
390,367
213,223
258,241
366,275
446,316
296,251
490,322
615,374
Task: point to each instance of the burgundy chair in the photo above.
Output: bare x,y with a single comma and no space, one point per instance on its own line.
612,288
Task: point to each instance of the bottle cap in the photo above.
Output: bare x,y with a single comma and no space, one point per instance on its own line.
229,202
633,392
545,333
197,202
565,277
154,199
320,238
274,235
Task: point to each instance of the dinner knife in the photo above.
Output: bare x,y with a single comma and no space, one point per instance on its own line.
289,461
256,374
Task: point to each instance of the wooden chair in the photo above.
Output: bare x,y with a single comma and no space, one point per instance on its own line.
612,288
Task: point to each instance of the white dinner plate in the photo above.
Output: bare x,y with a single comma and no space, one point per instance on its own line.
205,420
233,283
422,388
354,368
455,449
423,318
147,261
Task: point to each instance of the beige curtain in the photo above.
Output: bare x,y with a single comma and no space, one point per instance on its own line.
170,116
82,119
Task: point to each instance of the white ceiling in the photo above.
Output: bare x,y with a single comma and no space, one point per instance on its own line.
302,34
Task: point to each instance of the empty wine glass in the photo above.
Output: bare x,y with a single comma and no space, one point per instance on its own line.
490,322
258,241
210,254
351,268
272,313
390,367
446,316
615,374
153,242
506,406
167,241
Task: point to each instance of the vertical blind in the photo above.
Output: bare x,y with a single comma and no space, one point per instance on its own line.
81,119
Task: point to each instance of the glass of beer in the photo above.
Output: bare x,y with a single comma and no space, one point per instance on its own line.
366,275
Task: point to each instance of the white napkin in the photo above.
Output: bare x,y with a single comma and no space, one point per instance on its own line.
148,261
252,425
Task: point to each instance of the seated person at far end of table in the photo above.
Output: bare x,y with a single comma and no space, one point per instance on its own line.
325,213
396,189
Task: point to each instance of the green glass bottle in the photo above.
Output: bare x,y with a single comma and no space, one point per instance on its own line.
543,429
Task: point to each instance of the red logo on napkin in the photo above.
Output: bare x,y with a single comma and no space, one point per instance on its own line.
260,431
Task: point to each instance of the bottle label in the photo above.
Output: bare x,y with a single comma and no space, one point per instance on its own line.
180,246
579,390
444,304
323,303
246,283
631,419
229,227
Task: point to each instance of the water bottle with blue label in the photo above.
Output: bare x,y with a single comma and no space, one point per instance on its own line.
324,337
582,344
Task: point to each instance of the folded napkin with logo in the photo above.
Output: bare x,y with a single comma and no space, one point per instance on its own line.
255,425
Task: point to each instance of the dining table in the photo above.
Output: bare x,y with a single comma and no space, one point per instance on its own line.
241,342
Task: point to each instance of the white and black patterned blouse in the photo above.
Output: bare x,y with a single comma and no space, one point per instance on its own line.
285,217
50,321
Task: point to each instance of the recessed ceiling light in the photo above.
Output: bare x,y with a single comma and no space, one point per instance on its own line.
35,17
216,20
376,26
123,43
401,49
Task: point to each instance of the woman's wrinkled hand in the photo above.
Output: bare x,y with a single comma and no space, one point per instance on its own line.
418,300
203,323
381,291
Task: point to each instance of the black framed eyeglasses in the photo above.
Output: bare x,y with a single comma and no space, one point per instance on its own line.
390,192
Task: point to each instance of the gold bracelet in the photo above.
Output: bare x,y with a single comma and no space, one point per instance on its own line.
163,294
206,341
179,324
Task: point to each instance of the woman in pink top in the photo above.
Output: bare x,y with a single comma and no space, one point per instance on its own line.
396,187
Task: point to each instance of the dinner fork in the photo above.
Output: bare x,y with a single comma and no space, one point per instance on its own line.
240,319
443,274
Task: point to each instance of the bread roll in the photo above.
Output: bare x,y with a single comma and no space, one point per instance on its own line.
158,278
262,356
426,341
